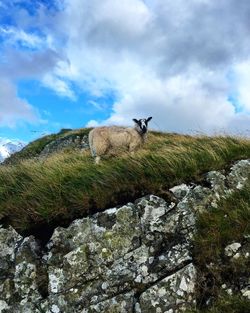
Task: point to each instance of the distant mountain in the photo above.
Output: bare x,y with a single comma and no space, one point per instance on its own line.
8,147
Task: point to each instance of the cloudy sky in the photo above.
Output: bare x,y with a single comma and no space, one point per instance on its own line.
75,63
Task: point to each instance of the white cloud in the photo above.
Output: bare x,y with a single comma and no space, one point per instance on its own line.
92,123
163,58
177,104
14,35
12,108
61,87
169,59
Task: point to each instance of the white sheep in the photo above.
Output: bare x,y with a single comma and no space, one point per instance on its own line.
104,139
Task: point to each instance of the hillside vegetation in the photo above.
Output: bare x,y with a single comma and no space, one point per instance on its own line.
34,148
47,192
217,228
68,185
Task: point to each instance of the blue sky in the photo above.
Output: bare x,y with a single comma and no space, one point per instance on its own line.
58,112
76,63
53,111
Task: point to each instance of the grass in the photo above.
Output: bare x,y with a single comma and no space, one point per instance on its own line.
226,304
34,148
69,185
217,228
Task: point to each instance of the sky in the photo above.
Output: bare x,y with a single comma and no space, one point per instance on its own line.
78,63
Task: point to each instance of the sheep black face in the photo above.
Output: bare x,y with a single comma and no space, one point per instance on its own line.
142,124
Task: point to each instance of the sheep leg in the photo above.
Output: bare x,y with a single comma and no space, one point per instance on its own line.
132,148
97,159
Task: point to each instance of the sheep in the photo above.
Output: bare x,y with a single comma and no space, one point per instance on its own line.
104,139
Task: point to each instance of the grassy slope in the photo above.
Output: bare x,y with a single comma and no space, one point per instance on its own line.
217,228
69,185
34,148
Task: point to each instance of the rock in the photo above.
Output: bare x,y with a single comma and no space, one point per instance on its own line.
231,249
123,303
174,293
239,174
3,306
9,241
218,183
21,271
180,191
246,292
70,141
117,251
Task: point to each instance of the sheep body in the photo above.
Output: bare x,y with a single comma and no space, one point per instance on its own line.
104,139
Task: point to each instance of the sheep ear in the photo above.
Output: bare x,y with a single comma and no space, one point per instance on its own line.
135,120
150,118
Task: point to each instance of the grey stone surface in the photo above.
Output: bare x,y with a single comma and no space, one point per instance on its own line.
231,249
239,173
66,142
172,294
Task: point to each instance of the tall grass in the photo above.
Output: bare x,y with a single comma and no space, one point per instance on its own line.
217,228
69,185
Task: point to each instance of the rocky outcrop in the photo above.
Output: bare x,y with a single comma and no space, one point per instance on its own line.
71,141
133,258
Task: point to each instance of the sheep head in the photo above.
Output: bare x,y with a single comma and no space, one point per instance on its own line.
142,124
